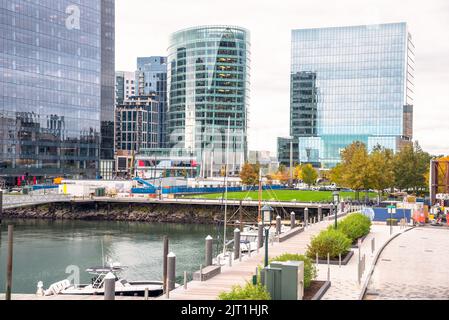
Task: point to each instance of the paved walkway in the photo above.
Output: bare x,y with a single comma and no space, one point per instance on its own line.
415,265
344,279
241,272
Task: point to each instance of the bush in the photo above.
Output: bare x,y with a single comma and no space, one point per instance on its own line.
248,292
329,241
355,226
310,272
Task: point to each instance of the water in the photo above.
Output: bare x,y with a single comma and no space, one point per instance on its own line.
43,249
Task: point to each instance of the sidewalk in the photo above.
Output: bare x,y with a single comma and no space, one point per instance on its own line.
344,279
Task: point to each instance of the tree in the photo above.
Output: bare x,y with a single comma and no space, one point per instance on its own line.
308,174
411,165
249,174
381,169
297,173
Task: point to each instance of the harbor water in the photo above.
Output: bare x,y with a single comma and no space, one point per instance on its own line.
51,251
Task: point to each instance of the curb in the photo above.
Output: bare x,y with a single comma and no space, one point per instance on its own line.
371,271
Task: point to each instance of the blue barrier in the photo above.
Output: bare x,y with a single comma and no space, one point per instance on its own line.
43,187
381,214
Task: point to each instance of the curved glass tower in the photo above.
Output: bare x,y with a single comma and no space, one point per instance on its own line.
208,82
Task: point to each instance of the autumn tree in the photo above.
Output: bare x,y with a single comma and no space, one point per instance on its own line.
411,165
381,169
249,174
308,174
297,173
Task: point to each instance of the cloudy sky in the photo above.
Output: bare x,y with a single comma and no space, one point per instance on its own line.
143,27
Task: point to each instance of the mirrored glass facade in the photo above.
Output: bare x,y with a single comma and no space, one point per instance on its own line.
208,81
348,84
56,87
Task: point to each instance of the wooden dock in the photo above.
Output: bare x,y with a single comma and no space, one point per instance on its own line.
242,272
33,297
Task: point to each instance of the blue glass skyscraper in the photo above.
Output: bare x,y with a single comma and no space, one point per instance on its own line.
56,87
351,84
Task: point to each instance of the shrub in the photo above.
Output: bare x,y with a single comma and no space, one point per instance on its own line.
310,272
248,292
329,241
355,226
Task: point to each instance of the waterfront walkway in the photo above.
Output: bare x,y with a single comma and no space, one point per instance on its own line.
344,279
414,265
241,272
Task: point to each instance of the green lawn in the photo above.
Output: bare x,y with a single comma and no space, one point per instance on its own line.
284,195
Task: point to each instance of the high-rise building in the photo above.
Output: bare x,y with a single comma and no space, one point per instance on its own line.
56,87
351,84
152,79
125,86
208,83
137,124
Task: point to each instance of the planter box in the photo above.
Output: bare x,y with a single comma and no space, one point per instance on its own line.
316,290
344,259
356,244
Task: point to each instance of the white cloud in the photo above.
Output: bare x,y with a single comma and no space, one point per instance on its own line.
143,28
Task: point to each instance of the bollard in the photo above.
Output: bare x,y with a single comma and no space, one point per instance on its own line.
278,225
249,250
260,235
185,280
146,294
109,286
359,245
320,213
9,263
237,243
373,245
314,220
240,254
230,258
164,263
208,260
328,268
171,271
339,260
306,217
292,220
218,261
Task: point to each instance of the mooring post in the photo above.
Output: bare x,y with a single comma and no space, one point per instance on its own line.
146,294
236,243
164,263
9,262
373,245
328,268
260,235
208,260
292,220
185,280
171,271
278,225
109,286
306,217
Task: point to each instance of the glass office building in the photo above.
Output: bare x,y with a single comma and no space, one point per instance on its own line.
56,87
348,84
208,82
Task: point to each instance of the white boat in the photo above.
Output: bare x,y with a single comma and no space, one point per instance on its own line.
96,287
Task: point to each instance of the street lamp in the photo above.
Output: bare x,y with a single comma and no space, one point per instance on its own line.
391,211
266,219
336,197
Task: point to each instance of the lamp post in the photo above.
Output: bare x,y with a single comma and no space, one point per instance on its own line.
336,198
391,211
266,214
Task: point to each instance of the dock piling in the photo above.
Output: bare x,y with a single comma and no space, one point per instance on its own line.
292,220
146,294
306,217
171,271
109,286
278,225
237,250
9,263
185,280
208,259
164,263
